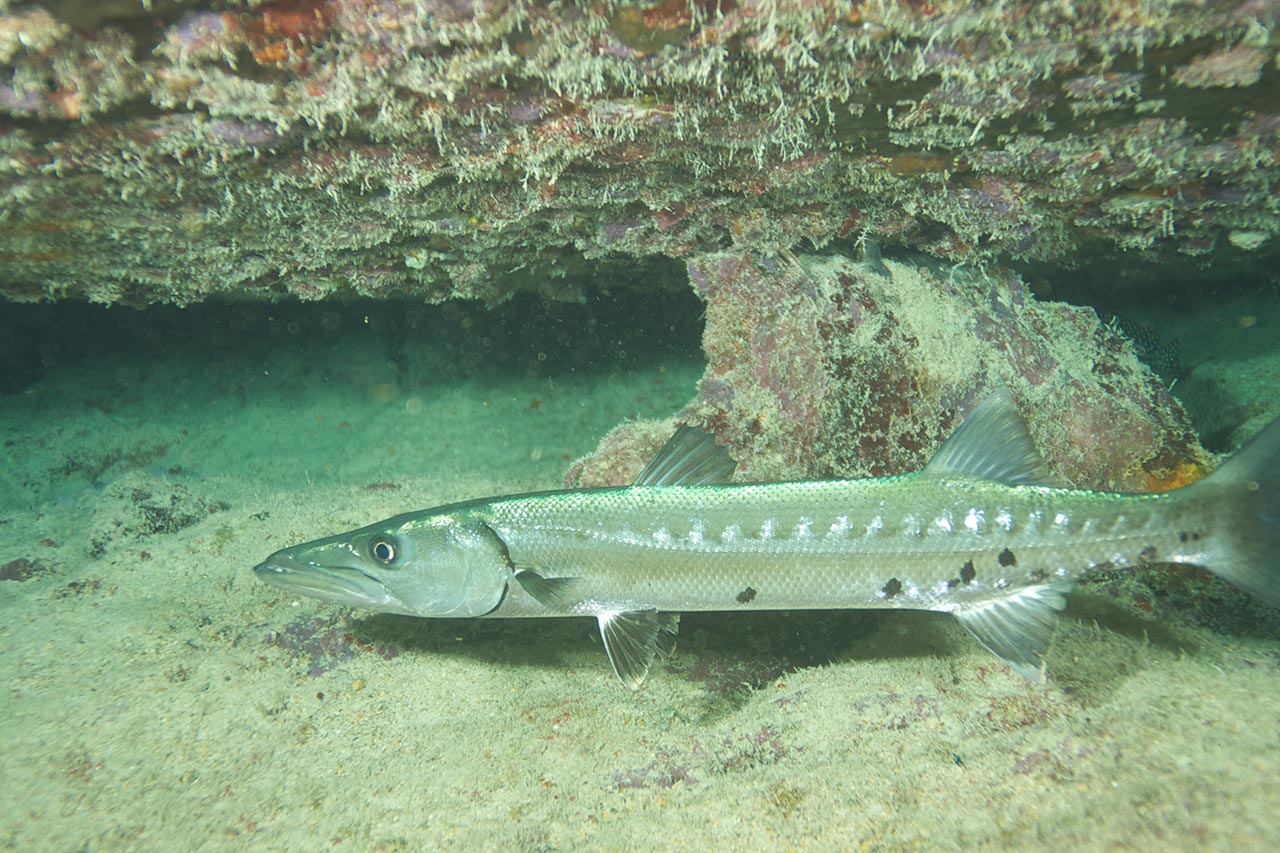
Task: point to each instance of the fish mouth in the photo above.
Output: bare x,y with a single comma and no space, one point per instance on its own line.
341,584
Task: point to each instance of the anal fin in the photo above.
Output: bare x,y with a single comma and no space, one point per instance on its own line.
634,639
1018,628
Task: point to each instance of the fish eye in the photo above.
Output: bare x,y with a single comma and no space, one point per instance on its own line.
383,549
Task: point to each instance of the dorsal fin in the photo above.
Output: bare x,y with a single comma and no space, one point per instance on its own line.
690,457
992,443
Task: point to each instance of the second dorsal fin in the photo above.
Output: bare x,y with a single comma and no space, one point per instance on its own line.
690,457
992,443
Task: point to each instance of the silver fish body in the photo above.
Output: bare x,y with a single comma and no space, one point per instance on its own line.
979,532
914,541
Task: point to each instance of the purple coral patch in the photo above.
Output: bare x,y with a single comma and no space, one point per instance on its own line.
323,644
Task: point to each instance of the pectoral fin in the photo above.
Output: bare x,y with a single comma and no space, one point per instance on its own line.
1018,629
634,639
555,593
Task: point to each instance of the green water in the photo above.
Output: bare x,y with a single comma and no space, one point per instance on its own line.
157,697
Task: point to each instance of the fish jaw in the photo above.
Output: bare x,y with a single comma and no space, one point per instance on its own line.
331,580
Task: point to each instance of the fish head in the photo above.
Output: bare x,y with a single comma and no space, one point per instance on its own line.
419,564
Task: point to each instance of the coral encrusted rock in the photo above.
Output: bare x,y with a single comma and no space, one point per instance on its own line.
825,366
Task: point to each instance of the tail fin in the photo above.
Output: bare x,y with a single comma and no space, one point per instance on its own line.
1249,556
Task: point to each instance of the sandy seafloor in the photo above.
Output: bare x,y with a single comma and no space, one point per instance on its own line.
156,696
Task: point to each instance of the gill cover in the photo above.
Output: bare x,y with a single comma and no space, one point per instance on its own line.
441,564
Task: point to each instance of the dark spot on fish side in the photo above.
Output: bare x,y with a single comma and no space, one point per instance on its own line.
746,596
967,574
1006,558
952,584
892,588
1039,575
1148,555
1185,537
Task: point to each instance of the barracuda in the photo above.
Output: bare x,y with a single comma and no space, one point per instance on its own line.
979,532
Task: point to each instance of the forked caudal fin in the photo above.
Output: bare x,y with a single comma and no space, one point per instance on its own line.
1018,628
1248,554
